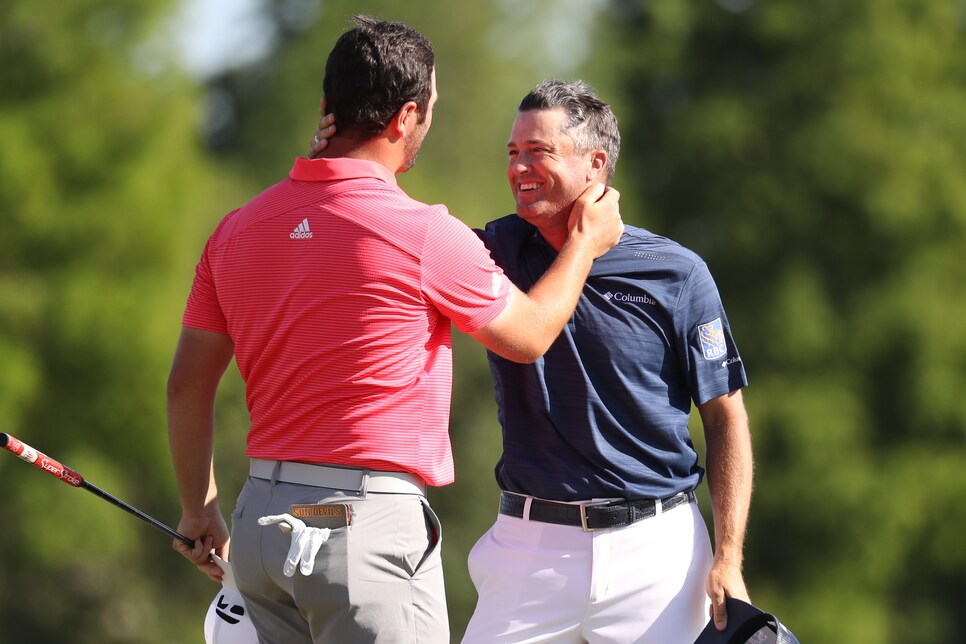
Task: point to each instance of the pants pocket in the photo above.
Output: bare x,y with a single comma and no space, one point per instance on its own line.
239,510
434,536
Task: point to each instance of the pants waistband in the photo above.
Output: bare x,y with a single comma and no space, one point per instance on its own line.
589,516
336,477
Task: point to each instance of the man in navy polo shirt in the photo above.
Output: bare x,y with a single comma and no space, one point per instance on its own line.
599,537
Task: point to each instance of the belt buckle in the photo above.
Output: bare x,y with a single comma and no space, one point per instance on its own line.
583,515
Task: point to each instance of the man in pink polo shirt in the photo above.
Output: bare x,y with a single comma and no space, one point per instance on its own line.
334,292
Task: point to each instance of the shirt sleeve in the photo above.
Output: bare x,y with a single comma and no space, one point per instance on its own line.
459,276
706,347
203,310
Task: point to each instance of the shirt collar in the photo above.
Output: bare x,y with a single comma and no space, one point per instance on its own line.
339,169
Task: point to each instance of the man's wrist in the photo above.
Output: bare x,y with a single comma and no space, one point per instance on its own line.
580,245
729,557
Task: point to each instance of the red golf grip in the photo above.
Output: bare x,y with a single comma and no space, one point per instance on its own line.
41,460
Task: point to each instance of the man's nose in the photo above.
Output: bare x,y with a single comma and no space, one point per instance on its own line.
519,165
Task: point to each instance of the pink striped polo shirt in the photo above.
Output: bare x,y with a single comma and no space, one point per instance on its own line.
338,290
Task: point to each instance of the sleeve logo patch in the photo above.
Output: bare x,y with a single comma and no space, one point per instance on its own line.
712,339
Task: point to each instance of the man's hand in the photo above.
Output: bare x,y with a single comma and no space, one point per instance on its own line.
596,214
724,580
323,132
214,537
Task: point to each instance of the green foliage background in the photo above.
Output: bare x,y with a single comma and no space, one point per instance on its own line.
813,153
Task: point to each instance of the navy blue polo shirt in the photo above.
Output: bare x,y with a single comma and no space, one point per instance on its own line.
604,413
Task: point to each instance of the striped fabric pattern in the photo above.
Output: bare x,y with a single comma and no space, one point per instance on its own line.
338,291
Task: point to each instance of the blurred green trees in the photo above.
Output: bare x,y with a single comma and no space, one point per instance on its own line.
102,180
812,153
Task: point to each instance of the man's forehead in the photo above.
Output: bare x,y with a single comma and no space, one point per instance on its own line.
538,125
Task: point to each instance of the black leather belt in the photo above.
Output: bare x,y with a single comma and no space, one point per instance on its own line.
591,516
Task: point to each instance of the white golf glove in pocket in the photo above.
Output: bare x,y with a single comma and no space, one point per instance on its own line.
306,542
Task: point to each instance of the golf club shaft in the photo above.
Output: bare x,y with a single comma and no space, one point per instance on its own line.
67,475
87,485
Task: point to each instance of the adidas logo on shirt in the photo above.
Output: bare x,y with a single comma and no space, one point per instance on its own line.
301,231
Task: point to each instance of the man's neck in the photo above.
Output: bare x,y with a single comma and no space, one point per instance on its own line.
557,231
371,150
555,238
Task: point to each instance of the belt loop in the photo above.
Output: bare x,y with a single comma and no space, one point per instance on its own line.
365,483
276,470
526,508
658,507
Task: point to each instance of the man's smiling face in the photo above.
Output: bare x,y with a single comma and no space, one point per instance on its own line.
545,171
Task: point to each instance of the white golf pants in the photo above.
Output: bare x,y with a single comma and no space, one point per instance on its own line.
541,582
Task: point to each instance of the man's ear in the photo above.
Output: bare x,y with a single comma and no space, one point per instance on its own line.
405,120
598,164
